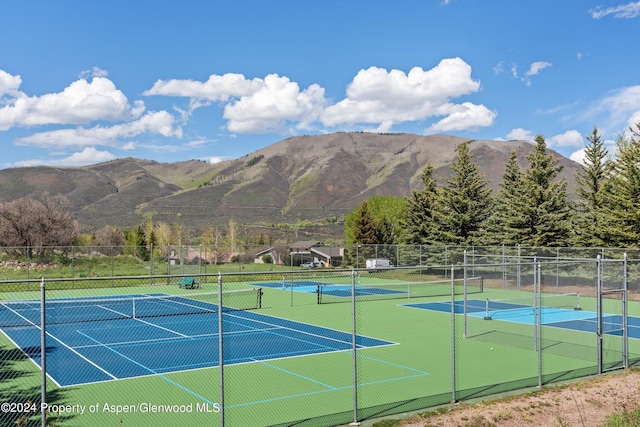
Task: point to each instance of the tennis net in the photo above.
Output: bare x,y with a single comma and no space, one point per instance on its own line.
78,310
510,307
332,293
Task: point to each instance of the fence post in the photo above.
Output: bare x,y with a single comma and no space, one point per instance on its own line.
220,350
354,347
43,353
453,335
599,314
464,304
625,313
538,309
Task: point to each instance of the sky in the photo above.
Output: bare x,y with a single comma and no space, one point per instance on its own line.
88,81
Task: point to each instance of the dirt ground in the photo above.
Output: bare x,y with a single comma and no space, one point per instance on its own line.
584,404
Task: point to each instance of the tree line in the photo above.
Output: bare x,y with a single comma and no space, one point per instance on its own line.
531,207
35,228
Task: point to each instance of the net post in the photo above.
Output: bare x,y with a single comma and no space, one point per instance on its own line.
577,307
43,352
486,310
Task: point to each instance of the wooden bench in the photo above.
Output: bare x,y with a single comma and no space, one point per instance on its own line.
188,283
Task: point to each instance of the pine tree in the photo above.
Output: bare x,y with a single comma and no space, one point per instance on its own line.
546,211
464,202
365,231
592,189
507,225
418,215
624,203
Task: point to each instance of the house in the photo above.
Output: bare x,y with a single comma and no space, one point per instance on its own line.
300,252
311,251
258,257
330,256
188,255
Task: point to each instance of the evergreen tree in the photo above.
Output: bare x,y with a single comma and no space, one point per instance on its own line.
385,232
418,219
546,212
507,224
464,202
365,231
592,189
624,202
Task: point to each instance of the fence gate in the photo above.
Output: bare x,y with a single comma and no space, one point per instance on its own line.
612,315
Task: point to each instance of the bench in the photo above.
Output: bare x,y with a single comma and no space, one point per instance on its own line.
188,283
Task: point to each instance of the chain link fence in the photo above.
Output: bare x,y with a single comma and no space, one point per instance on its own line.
311,347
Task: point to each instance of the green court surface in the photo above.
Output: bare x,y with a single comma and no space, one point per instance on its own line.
413,372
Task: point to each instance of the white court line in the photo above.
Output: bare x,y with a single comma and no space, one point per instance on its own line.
199,336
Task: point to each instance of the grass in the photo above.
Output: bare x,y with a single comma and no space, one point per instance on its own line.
628,418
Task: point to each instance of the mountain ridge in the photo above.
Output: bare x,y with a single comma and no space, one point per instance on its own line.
305,178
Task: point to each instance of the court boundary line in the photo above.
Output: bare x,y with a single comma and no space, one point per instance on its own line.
554,324
350,386
331,329
90,362
273,326
153,372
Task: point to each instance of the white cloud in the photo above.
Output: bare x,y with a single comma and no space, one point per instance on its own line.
571,138
627,11
375,97
274,106
536,67
251,106
616,111
94,72
213,160
86,157
159,122
634,119
216,88
378,96
578,156
609,145
466,116
79,103
9,85
520,134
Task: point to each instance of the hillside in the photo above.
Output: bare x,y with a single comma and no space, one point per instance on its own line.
318,178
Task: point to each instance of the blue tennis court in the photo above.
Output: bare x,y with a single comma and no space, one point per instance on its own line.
108,339
559,317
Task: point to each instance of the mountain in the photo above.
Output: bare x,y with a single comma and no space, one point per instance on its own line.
306,178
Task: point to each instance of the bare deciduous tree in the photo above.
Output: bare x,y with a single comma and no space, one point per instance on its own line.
110,240
37,224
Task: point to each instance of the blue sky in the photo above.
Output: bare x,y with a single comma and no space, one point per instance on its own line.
86,81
